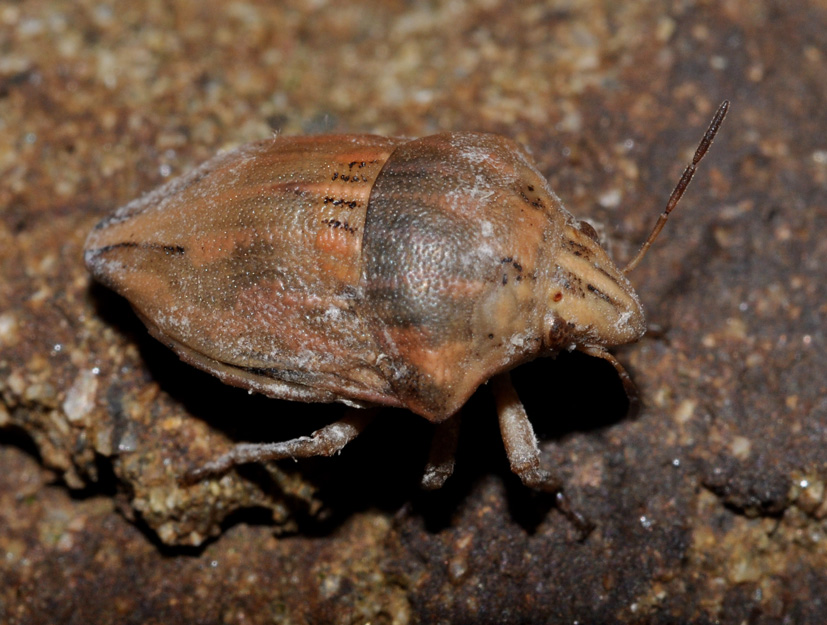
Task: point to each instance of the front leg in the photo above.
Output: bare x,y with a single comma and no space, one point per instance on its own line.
629,386
519,438
524,453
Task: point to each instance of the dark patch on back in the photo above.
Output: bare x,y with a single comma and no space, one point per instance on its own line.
416,247
410,258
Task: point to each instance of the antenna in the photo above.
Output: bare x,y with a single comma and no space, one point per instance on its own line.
686,178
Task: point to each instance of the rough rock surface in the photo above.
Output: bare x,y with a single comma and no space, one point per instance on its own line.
710,506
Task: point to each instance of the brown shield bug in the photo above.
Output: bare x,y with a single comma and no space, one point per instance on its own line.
374,271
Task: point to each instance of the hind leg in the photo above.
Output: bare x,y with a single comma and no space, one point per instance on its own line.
327,441
443,448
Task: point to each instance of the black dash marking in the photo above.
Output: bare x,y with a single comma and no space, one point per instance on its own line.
169,250
577,249
343,225
340,202
598,292
517,266
536,202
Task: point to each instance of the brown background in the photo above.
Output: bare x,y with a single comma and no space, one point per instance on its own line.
710,505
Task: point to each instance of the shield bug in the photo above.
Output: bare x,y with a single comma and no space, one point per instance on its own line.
374,271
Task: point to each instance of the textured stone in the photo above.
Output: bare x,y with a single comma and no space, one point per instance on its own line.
709,505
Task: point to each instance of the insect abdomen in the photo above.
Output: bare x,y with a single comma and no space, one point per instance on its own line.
249,266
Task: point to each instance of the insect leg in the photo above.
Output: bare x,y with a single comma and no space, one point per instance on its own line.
327,441
441,459
524,453
518,437
629,385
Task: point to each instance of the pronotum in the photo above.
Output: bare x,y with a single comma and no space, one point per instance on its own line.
374,271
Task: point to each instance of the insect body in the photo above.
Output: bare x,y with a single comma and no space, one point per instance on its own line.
374,272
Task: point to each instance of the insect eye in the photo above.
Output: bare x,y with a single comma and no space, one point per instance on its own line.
587,229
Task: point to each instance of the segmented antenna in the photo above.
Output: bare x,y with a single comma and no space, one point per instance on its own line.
677,193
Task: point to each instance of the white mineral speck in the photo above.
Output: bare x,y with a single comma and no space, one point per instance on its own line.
80,399
610,198
8,329
333,313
